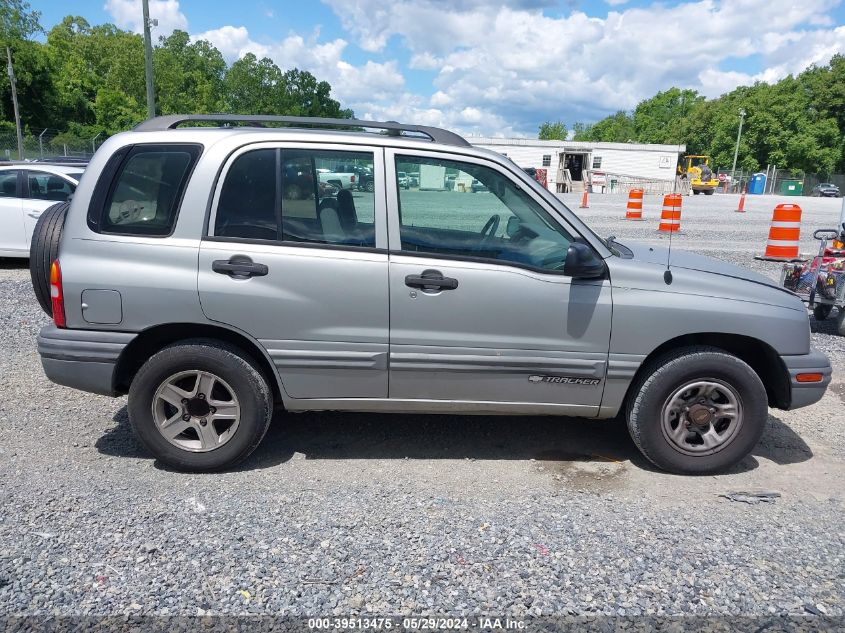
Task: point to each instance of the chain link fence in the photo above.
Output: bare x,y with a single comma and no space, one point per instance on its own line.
48,144
778,181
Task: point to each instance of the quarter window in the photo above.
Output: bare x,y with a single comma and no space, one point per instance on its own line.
468,210
44,186
146,194
304,196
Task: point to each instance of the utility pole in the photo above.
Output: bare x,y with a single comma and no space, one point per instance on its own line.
148,60
15,103
738,136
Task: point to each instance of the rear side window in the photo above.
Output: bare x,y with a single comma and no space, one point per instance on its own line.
144,196
45,186
299,196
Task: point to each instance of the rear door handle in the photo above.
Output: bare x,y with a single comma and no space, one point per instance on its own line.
431,280
239,267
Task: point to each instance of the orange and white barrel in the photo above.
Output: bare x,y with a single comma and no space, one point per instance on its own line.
670,218
784,233
635,205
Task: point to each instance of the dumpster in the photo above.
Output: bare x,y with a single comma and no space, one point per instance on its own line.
792,188
757,184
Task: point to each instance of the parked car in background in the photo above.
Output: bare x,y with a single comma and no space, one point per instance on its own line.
403,180
341,180
825,190
26,190
366,181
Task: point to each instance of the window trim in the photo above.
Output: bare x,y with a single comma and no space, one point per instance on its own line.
394,237
593,162
379,212
111,173
546,160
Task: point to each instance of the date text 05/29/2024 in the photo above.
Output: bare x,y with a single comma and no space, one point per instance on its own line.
416,624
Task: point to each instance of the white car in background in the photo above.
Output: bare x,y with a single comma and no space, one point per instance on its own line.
26,190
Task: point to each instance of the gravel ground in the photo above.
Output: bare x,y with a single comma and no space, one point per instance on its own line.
338,514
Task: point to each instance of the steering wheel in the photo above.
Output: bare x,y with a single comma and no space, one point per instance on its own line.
489,228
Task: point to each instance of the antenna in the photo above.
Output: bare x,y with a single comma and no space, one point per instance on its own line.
667,274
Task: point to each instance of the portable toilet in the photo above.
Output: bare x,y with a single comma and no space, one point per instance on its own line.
757,184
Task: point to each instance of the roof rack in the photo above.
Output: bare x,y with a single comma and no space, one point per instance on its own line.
173,121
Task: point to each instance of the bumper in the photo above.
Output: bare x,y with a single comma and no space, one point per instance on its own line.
806,393
82,359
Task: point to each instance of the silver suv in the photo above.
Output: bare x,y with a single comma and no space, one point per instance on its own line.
209,273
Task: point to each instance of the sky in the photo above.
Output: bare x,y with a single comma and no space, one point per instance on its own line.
500,67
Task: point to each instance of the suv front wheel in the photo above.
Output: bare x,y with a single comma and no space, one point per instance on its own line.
200,405
698,411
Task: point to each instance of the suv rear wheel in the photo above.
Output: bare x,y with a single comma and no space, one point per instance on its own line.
200,405
699,411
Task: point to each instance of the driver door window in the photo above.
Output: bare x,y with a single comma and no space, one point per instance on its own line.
465,210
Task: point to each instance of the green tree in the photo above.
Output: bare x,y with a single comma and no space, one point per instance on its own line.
617,128
17,21
552,131
188,75
664,118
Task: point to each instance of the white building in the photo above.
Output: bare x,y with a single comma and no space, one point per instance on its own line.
608,167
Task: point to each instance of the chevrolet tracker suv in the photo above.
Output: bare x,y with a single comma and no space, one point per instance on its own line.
182,274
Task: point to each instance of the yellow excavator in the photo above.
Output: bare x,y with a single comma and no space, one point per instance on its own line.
697,171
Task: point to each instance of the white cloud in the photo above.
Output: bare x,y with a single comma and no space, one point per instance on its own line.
506,64
128,14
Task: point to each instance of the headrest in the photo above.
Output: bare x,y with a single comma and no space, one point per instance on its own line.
55,183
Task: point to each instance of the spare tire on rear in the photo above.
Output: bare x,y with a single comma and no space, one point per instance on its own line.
43,249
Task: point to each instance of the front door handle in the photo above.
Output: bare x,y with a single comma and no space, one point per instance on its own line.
431,280
239,267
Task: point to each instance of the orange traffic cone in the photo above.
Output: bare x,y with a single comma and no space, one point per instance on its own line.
670,218
741,207
584,204
784,234
635,205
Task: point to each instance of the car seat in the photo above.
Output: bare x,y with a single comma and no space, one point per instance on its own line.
339,221
56,189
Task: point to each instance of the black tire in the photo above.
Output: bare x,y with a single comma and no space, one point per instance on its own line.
225,361
840,321
370,187
695,192
669,373
709,192
43,249
822,311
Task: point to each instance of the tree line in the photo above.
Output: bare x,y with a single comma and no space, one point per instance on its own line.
797,123
86,80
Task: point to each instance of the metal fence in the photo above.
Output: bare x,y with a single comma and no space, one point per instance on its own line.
780,181
48,143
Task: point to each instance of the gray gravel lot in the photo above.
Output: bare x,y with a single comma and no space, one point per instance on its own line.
337,514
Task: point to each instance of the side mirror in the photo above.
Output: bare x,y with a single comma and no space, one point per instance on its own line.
582,263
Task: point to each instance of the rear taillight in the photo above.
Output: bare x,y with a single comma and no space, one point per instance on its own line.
352,178
56,297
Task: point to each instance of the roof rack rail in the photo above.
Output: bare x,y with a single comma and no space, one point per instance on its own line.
173,121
